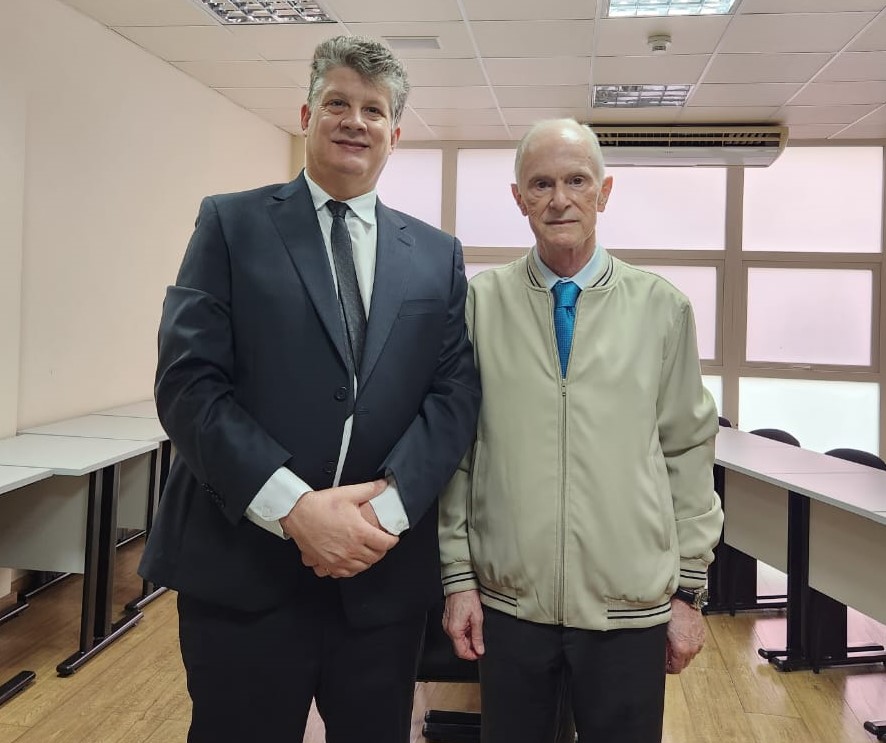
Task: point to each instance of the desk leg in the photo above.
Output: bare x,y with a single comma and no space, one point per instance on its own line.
827,636
794,657
96,628
159,473
876,727
17,683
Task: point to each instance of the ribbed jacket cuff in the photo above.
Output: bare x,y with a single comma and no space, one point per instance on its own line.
459,577
693,573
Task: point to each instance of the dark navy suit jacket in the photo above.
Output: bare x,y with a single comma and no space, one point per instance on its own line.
252,376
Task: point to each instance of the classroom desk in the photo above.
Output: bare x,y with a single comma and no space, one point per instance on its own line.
143,409
134,511
77,517
14,478
823,521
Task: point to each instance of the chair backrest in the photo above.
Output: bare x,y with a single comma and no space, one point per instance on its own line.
725,422
438,661
858,456
776,434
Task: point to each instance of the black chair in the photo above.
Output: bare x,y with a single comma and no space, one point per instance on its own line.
438,662
725,422
827,618
742,585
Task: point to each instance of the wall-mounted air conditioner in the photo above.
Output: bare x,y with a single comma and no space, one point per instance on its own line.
697,146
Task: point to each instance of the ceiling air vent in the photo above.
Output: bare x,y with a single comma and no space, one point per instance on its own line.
698,146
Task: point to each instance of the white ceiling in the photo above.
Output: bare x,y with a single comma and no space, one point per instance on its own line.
817,66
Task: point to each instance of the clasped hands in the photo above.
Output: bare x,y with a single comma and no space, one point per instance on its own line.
337,530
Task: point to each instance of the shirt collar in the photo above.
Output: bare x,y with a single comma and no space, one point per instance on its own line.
363,206
583,278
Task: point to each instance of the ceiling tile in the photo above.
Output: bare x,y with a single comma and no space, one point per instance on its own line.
796,32
542,96
529,10
764,68
360,11
528,116
855,66
450,117
873,39
538,70
296,71
735,94
633,117
676,69
287,118
534,38
236,74
453,37
417,135
812,131
412,127
266,97
443,97
141,13
189,43
824,94
877,117
619,37
471,132
444,72
721,115
287,42
824,114
864,131
808,6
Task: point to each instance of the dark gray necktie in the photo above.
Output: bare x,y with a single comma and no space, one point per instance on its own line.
348,288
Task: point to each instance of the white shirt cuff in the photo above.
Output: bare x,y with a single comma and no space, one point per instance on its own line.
389,509
276,499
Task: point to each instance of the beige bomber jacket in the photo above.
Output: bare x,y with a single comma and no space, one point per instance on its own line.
585,501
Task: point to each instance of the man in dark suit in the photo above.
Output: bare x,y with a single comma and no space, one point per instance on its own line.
317,381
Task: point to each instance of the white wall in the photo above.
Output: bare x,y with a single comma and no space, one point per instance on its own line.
120,148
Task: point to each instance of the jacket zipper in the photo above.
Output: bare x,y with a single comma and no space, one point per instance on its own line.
561,588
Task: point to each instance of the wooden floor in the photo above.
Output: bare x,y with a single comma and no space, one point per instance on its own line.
134,691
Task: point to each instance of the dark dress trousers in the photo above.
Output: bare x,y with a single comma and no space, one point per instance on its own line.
252,376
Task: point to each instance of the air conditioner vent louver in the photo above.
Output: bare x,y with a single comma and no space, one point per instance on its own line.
750,146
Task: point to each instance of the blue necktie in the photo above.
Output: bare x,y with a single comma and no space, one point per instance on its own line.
565,294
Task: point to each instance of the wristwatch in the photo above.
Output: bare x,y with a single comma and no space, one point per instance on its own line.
695,597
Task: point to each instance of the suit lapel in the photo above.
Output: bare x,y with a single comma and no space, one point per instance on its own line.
293,214
392,259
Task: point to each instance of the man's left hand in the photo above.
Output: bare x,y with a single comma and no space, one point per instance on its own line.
686,635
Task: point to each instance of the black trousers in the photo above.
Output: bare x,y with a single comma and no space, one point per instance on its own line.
614,682
252,677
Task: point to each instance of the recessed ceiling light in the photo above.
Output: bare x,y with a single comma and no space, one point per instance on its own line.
641,8
406,43
266,12
640,96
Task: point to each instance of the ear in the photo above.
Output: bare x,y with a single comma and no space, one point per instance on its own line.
305,117
603,196
395,137
515,191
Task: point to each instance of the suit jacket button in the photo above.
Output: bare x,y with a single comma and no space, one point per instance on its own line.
341,394
329,468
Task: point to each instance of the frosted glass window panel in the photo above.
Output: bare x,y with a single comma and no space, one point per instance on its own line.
714,385
665,208
699,284
486,215
809,315
472,269
412,182
822,415
827,199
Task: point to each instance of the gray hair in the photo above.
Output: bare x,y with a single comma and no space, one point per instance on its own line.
594,151
370,59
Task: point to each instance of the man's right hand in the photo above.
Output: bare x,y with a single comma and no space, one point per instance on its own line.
463,622
332,534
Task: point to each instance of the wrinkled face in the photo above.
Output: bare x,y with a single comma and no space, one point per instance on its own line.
560,194
349,134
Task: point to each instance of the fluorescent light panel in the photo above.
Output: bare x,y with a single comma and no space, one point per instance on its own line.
640,96
641,8
266,12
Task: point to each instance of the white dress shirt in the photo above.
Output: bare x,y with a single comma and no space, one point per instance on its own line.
284,488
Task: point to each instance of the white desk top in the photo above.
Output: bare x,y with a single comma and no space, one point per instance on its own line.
105,427
143,409
12,478
69,455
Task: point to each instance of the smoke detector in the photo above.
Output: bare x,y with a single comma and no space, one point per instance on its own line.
659,43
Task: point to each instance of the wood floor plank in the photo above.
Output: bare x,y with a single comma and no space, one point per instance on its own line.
10,733
777,729
825,713
714,704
